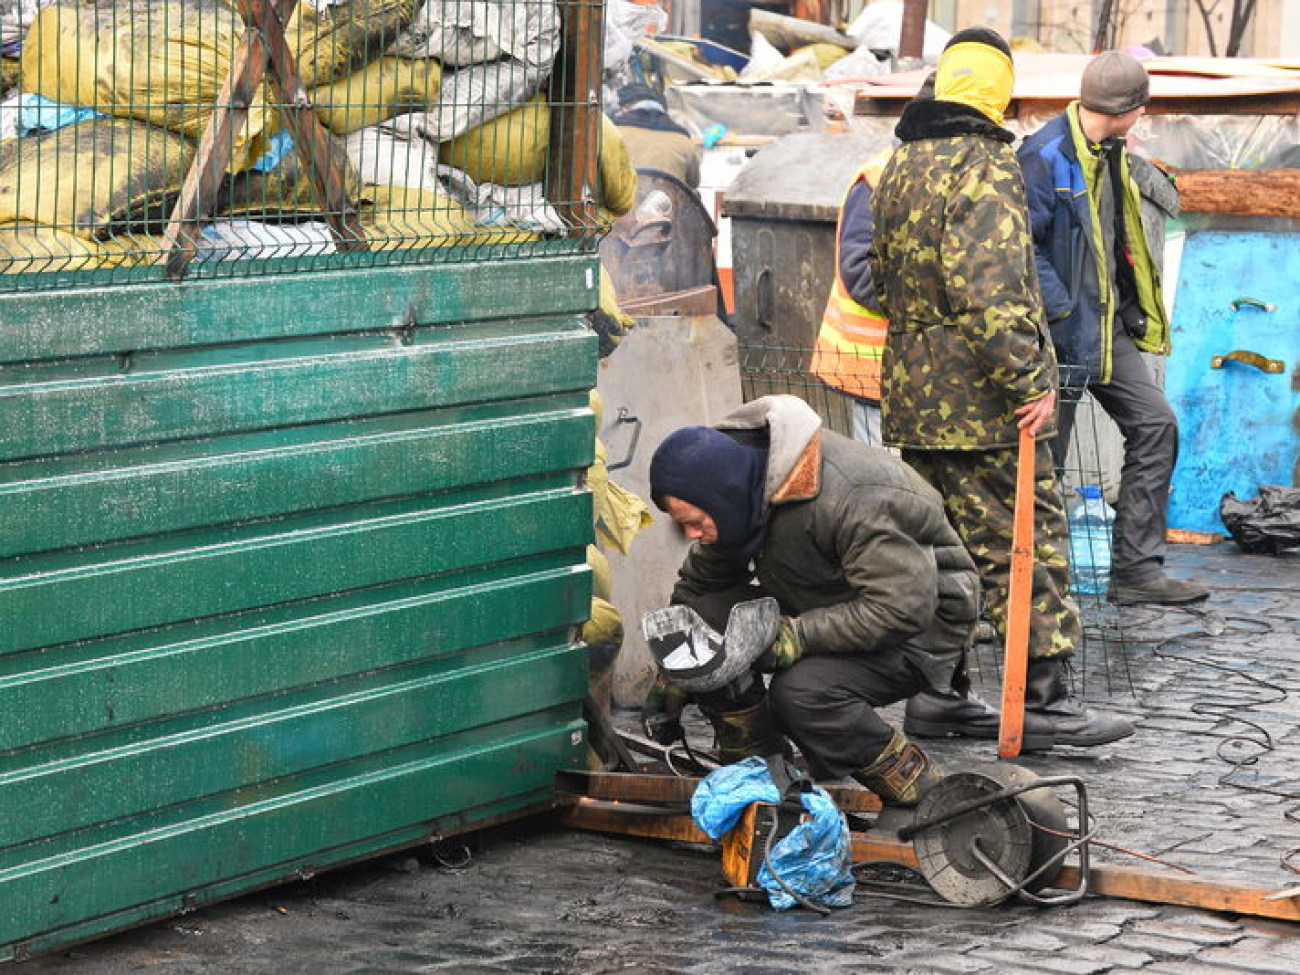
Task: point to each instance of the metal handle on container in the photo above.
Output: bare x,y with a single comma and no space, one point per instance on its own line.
623,416
1253,303
763,298
1262,363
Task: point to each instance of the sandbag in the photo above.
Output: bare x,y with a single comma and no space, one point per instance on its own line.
509,149
384,88
96,178
617,174
166,62
284,192
512,150
461,32
30,248
331,40
400,217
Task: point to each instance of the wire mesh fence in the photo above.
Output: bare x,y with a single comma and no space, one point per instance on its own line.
269,136
1089,458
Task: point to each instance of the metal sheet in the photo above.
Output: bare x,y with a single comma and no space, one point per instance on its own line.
295,586
1236,291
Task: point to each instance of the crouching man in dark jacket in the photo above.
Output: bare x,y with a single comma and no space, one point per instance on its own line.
877,594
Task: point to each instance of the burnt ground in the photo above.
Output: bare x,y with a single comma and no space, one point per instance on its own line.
1211,782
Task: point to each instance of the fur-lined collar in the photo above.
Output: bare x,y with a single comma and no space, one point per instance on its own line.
933,119
794,445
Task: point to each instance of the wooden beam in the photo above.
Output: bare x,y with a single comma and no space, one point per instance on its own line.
199,192
573,153
1183,890
325,162
650,788
1243,192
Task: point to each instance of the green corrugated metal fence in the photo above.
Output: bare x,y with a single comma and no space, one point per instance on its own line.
289,570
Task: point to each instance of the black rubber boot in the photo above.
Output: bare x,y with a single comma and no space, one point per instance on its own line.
900,774
932,714
1160,590
1051,718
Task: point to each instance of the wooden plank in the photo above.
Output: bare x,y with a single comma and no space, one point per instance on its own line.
1248,192
651,788
1186,536
324,161
1183,890
573,152
1019,596
630,819
214,152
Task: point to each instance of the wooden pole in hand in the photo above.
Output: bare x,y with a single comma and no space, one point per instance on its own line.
1020,594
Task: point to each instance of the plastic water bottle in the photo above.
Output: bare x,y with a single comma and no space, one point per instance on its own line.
1090,522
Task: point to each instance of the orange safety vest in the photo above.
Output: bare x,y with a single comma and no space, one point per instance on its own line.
851,341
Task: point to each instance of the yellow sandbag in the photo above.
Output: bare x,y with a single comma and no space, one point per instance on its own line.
164,64
617,174
94,178
164,61
623,517
340,38
602,581
27,248
401,217
379,91
286,191
509,149
609,301
10,69
825,54
619,515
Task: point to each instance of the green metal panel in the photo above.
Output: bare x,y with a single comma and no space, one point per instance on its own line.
290,568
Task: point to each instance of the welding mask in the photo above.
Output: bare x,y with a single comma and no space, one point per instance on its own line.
697,658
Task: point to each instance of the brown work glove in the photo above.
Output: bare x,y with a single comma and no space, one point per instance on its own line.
785,650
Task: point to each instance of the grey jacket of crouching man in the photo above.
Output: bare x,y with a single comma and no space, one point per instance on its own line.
858,548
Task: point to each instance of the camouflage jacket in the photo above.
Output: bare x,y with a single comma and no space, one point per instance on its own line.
953,264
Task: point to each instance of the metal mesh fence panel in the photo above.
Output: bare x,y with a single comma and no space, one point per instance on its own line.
1089,459
141,138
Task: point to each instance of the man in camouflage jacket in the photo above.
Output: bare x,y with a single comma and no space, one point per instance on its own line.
968,361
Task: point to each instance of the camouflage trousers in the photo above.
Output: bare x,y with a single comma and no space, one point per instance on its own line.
979,492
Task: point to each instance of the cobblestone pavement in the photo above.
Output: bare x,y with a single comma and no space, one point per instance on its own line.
1211,781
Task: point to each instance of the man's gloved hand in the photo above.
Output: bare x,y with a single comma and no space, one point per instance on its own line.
785,649
661,713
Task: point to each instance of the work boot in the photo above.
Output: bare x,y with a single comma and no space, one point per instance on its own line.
900,774
933,714
1160,589
1051,718
740,733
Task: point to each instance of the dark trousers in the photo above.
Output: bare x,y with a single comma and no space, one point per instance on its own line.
1150,431
824,704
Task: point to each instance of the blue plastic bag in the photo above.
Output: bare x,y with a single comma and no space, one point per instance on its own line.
813,859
